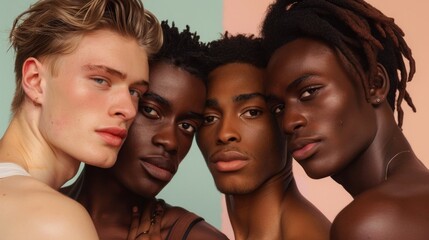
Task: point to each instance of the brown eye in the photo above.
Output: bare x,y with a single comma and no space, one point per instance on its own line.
278,109
187,127
309,92
209,119
252,113
149,112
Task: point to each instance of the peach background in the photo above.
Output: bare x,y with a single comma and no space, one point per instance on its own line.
244,16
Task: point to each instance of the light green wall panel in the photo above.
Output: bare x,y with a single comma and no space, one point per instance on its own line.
8,12
192,187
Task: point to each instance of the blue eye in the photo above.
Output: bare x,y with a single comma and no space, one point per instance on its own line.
100,81
136,93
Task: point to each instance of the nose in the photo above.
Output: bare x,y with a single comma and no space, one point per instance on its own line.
124,106
167,138
227,132
292,121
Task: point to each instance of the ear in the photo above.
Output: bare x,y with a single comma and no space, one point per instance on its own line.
32,81
379,91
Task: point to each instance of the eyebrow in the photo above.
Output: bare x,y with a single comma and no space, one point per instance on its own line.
299,80
114,72
195,115
92,67
239,98
247,96
157,98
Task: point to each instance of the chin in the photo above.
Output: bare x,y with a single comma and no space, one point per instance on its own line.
234,188
108,163
315,174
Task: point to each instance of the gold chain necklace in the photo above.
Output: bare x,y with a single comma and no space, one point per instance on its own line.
388,163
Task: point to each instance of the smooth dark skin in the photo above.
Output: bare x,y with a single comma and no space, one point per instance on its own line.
333,130
158,140
245,153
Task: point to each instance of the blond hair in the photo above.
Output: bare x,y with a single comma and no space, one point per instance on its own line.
50,27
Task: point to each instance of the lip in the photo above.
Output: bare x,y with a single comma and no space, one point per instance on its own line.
113,136
303,148
229,160
159,167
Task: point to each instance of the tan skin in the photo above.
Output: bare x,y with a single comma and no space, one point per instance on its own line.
245,153
333,130
160,137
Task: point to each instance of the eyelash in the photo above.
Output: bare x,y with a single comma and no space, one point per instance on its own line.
146,111
100,81
213,119
310,92
210,119
278,109
257,111
182,126
138,92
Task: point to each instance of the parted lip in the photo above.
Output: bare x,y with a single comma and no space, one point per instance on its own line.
227,155
115,131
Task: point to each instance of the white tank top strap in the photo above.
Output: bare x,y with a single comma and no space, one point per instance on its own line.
12,169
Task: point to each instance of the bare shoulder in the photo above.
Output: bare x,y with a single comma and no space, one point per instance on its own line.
302,220
384,214
32,210
199,230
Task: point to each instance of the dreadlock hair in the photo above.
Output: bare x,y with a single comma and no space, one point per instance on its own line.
357,31
183,50
239,48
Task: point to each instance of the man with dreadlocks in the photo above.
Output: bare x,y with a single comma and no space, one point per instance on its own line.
121,200
336,70
245,150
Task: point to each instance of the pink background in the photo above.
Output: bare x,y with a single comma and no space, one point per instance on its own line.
244,16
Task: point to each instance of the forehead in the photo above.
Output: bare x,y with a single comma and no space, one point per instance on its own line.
298,52
174,84
108,48
300,57
235,78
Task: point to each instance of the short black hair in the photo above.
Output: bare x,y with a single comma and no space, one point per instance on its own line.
356,30
183,49
239,48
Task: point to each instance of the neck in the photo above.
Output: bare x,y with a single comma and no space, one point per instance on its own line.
108,202
23,144
102,194
368,169
252,214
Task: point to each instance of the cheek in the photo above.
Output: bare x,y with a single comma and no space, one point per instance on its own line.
185,143
202,140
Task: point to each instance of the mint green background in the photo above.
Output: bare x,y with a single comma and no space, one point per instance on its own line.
192,187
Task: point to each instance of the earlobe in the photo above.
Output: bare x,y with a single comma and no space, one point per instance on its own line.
32,80
380,87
